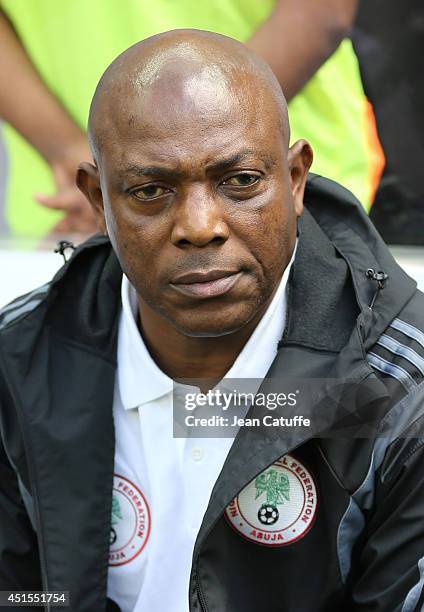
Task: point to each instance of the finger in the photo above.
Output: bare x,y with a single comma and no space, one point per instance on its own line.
67,200
60,201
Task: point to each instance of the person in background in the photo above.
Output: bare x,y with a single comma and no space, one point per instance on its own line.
56,52
389,41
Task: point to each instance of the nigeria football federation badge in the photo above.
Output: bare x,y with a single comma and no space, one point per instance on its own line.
278,507
130,522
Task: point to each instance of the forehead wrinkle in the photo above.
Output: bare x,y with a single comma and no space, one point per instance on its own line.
221,164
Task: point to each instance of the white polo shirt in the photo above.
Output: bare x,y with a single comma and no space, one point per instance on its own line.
162,484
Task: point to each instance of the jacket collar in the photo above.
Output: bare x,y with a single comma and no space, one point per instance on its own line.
346,226
319,278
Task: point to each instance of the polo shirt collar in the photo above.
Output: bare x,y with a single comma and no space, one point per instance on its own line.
140,380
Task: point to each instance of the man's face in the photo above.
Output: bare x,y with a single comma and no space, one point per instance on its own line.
198,203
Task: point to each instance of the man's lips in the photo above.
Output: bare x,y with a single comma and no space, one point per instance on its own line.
206,284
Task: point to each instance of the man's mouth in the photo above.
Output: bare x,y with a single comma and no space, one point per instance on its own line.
206,284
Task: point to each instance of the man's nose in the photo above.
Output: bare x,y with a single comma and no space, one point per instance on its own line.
198,220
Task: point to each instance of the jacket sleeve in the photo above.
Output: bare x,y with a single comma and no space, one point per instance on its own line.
391,568
19,562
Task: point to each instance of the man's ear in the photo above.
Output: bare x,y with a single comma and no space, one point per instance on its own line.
300,158
88,181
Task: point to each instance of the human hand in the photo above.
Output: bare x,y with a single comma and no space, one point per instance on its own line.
79,217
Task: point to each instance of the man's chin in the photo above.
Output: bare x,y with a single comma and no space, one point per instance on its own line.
211,327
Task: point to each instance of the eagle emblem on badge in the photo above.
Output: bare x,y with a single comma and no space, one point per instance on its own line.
278,507
277,489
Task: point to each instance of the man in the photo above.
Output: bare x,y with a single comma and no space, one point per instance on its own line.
202,200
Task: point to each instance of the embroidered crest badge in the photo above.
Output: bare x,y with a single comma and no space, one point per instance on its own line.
278,507
130,522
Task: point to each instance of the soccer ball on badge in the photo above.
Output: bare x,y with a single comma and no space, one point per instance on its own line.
268,514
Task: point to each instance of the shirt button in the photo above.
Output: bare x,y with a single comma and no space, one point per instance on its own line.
197,454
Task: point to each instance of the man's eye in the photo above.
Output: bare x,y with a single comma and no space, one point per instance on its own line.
149,192
241,180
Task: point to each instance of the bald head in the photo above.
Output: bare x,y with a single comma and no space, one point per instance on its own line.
188,72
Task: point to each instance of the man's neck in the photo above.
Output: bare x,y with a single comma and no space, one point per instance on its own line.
188,357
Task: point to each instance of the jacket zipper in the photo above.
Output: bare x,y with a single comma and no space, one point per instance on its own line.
200,597
36,506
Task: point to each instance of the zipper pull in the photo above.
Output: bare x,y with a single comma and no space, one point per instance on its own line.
380,277
62,246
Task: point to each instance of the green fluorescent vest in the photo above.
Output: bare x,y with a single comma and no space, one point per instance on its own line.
71,42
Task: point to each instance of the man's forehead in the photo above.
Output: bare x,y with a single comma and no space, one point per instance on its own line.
202,123
193,140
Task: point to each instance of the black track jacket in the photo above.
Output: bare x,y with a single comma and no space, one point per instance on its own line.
364,550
